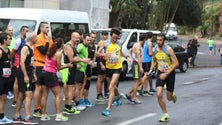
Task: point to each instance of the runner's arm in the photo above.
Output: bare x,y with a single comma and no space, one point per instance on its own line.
43,49
174,60
24,54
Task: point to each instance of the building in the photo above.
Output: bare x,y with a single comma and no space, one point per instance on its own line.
98,10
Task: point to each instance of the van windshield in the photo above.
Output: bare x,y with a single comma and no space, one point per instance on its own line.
124,35
17,24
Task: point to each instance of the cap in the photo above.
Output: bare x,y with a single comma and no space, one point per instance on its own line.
104,33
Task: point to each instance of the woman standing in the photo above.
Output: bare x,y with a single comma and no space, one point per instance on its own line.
49,79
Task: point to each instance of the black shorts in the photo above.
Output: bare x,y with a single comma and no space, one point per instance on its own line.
22,86
4,86
71,76
136,71
100,71
38,72
110,72
79,77
49,79
88,71
170,81
14,72
146,66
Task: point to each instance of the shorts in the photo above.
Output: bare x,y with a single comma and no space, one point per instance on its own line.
38,72
170,81
136,71
22,86
14,72
210,48
71,76
100,71
4,86
110,72
49,79
64,75
146,66
88,71
79,77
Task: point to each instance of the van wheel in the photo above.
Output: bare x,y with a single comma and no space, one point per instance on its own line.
123,73
184,66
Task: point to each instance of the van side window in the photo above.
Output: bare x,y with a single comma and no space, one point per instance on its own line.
132,40
65,30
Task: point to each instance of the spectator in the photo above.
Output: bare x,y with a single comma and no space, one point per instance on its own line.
194,49
210,45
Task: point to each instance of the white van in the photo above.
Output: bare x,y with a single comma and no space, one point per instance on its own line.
171,33
62,22
129,37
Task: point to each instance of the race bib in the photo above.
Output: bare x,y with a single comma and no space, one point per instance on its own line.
6,72
164,66
113,58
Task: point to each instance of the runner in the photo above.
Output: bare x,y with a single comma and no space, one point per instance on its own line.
137,69
82,51
70,56
26,77
166,62
113,67
88,72
49,79
40,49
5,73
101,69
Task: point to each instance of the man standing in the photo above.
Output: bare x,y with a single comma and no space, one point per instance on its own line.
88,72
40,49
166,62
70,56
194,49
26,77
113,58
210,45
5,73
15,57
137,69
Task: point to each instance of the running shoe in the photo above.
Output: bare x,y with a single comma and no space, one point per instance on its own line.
5,120
146,93
174,97
10,95
14,104
106,96
82,102
88,103
106,112
139,92
165,117
118,101
71,111
152,90
136,101
61,118
28,121
99,98
45,117
18,119
128,98
37,113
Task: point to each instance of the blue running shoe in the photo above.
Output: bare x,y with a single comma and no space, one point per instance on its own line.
106,112
88,103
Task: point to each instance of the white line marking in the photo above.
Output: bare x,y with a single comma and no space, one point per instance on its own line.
187,83
137,119
203,79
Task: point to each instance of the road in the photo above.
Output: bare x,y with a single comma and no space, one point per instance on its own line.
199,103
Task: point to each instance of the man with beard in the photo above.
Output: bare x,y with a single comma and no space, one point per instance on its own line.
166,62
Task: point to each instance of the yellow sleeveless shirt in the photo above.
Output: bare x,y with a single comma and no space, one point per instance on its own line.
164,61
114,60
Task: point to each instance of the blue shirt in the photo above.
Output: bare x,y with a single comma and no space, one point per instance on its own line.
145,53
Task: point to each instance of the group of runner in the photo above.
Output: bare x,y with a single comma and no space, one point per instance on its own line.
36,60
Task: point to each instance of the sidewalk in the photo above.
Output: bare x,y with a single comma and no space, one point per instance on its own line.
205,60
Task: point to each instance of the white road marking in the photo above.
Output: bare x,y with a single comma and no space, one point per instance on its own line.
137,119
203,79
187,83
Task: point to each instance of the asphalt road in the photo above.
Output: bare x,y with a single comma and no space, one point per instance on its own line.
199,103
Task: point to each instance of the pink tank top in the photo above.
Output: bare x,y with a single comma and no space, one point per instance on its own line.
50,65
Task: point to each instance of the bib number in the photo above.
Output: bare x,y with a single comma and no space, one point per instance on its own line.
6,72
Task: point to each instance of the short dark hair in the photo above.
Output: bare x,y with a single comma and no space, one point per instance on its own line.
142,37
85,35
162,35
23,27
149,35
115,30
105,33
3,36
